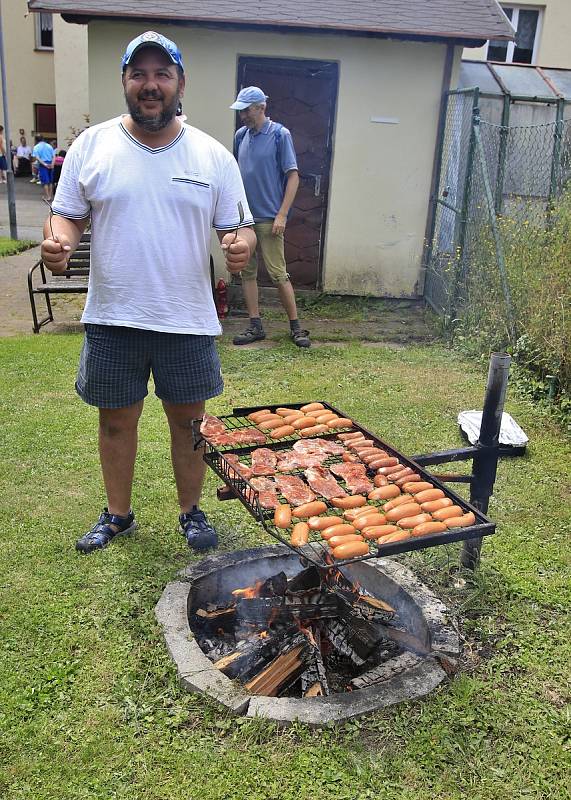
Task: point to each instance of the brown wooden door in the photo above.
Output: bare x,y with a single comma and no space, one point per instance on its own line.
302,96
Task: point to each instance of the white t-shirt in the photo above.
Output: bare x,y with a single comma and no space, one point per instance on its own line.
23,151
152,210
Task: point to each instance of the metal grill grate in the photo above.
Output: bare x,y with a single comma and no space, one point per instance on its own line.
318,553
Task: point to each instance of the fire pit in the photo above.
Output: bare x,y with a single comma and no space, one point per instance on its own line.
267,634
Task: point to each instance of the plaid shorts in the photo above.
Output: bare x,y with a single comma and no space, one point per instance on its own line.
116,363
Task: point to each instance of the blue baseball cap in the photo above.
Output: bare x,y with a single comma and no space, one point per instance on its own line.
152,39
247,96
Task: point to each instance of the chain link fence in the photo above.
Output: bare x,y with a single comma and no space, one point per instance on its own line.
495,183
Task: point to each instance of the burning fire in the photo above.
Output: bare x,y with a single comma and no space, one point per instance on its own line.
248,592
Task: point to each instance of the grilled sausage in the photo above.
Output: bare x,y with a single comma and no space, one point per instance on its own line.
351,550
380,480
325,416
339,422
366,520
320,523
352,513
407,479
312,407
447,513
417,486
338,530
291,420
365,450
378,531
285,430
353,501
256,416
350,458
389,470
412,522
403,473
289,412
387,461
426,528
349,437
434,505
354,444
335,541
402,511
282,516
317,413
428,494
461,522
401,536
316,429
310,509
271,423
380,460
384,493
371,457
302,422
300,534
397,501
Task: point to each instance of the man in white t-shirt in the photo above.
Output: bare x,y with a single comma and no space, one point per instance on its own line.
22,158
153,188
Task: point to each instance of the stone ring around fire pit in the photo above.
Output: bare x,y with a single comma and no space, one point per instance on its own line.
418,647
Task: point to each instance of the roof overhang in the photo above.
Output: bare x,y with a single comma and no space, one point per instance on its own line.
84,12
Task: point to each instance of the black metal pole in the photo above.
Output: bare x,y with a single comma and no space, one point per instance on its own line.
9,171
485,463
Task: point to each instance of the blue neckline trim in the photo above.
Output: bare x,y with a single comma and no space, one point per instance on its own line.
152,149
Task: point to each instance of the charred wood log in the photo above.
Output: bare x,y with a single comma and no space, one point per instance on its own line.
250,656
266,611
336,633
211,620
305,580
314,681
274,586
284,670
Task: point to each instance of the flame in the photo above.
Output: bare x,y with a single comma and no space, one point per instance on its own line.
264,635
248,592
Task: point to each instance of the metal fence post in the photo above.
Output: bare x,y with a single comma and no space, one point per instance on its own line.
436,178
557,150
502,154
485,463
466,198
497,236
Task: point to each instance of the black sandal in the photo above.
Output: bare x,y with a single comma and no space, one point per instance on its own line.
301,338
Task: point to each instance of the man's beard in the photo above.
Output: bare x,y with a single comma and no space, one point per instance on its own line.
160,121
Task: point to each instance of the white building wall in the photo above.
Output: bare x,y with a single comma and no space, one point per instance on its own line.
71,77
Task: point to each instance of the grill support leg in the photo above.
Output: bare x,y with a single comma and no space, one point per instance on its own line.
485,461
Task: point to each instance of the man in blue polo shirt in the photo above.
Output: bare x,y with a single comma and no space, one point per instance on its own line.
266,157
44,154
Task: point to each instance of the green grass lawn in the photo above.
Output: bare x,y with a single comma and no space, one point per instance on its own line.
89,702
8,247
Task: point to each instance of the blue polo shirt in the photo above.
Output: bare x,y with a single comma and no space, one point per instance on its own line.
263,165
44,151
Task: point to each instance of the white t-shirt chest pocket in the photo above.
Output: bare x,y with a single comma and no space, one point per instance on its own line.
194,190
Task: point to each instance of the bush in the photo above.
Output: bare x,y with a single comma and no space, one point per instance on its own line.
537,258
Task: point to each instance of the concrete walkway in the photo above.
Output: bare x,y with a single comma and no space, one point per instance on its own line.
31,211
395,324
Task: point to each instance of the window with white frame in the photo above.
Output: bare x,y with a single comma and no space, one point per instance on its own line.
44,31
526,20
